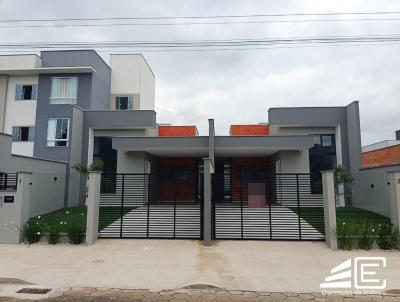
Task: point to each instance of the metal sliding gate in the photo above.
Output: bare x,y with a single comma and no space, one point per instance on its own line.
269,207
150,206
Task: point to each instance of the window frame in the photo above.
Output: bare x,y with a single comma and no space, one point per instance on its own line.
62,100
31,133
20,97
118,105
55,140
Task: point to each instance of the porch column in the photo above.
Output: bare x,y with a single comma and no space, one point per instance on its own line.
207,204
394,180
328,188
93,201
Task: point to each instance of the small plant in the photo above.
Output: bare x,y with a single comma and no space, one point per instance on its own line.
96,165
343,176
367,236
346,235
32,231
53,232
387,237
80,168
75,231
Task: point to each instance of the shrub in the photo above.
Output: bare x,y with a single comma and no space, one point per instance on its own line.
53,231
387,237
367,236
96,165
75,231
346,232
32,231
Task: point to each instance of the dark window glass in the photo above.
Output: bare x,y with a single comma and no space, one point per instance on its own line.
322,157
27,92
123,103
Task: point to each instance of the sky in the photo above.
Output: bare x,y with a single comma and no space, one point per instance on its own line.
238,87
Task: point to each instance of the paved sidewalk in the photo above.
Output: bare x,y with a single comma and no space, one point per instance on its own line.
173,264
188,295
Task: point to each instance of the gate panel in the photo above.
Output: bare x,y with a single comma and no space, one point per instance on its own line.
149,206
293,208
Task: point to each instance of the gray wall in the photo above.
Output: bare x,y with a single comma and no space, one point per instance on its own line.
48,178
101,79
93,93
347,117
376,198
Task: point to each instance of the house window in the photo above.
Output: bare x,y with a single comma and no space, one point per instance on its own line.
64,90
58,132
25,92
322,157
23,134
123,103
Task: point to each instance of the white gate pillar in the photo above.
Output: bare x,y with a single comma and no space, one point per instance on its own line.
394,180
328,188
93,203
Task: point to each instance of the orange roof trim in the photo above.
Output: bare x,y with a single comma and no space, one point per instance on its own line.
249,130
177,131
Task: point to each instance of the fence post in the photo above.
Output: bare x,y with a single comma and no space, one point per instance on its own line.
207,211
15,212
394,180
298,204
328,188
93,202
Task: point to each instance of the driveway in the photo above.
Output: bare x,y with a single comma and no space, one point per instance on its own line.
272,266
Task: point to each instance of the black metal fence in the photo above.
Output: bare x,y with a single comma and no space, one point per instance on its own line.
269,207
8,181
150,206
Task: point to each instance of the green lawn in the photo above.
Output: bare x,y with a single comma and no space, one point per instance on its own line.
315,216
65,217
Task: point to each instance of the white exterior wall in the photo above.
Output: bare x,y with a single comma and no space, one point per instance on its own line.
131,162
130,75
293,162
20,113
12,62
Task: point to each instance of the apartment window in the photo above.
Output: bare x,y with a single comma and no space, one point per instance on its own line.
124,103
23,134
64,90
58,132
25,92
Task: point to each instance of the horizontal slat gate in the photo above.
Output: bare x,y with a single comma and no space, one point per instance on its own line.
149,206
292,209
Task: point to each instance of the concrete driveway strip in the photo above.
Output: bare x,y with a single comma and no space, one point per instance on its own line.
170,264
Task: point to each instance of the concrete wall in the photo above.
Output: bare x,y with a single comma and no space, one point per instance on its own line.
371,189
292,162
3,96
48,178
131,75
76,182
101,79
20,113
93,93
10,62
318,118
131,162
